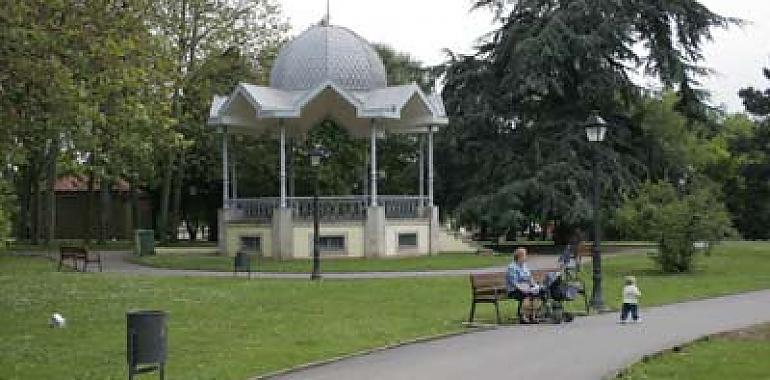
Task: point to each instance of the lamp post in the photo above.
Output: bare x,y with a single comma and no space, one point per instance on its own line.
596,130
316,155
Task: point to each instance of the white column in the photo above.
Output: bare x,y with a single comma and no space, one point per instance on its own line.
234,176
283,163
430,166
373,163
225,171
421,169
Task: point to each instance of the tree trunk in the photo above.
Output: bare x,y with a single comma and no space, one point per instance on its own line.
176,200
136,223
25,189
165,196
90,207
53,157
192,224
105,210
35,209
213,224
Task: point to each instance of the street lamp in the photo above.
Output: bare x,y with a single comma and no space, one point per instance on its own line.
596,130
317,154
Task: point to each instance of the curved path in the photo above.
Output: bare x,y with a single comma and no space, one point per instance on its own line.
115,262
588,349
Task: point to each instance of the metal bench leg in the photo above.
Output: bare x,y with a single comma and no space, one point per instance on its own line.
473,312
497,312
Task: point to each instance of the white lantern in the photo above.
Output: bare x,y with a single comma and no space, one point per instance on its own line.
596,128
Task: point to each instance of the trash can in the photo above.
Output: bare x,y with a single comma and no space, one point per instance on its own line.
144,242
241,263
146,342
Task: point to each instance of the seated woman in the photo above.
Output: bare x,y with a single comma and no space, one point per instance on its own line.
522,287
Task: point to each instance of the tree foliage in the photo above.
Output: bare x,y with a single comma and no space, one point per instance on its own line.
749,143
518,107
676,220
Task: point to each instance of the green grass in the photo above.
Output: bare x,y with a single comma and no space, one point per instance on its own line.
218,328
739,355
221,263
225,328
732,267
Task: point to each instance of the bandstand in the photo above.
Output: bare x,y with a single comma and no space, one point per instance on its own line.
330,73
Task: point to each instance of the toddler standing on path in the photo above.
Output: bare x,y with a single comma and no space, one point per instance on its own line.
631,296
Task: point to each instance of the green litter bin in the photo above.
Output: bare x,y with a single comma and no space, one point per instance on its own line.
144,243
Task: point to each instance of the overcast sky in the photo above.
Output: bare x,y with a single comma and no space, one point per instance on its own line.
423,28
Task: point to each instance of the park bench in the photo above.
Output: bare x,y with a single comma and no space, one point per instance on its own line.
79,255
490,287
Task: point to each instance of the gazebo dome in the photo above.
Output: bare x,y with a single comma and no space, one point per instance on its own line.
328,53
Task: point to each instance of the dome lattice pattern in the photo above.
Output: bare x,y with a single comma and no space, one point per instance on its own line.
328,53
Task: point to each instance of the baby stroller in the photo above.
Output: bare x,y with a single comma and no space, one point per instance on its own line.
557,291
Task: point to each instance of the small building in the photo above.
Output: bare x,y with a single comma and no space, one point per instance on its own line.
72,201
329,72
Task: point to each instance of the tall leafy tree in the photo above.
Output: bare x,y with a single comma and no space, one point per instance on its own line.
522,99
198,31
750,143
79,75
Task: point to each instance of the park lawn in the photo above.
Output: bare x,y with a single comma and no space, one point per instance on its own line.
219,328
222,263
226,328
737,355
732,267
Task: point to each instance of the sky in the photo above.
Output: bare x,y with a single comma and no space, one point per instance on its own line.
425,28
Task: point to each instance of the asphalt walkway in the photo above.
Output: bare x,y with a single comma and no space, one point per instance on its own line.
589,348
115,262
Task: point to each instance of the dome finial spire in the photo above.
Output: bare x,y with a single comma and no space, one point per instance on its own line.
326,21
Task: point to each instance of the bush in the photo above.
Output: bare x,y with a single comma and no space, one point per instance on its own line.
675,221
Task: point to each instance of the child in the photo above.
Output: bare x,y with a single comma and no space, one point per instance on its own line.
631,296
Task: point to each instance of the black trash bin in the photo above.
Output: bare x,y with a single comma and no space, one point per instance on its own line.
241,263
146,341
144,242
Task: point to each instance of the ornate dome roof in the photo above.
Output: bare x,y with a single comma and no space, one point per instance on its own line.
328,53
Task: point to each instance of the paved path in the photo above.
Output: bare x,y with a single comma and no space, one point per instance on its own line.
115,262
587,349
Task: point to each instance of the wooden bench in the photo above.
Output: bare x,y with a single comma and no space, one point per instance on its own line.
78,255
491,288
487,288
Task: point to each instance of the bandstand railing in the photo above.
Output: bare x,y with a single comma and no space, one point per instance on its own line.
331,209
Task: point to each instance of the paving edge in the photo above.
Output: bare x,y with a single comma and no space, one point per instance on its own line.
470,330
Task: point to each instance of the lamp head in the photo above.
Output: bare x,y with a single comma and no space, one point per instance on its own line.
317,154
596,127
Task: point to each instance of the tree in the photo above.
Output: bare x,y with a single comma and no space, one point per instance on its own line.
675,220
757,102
521,101
198,30
749,143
